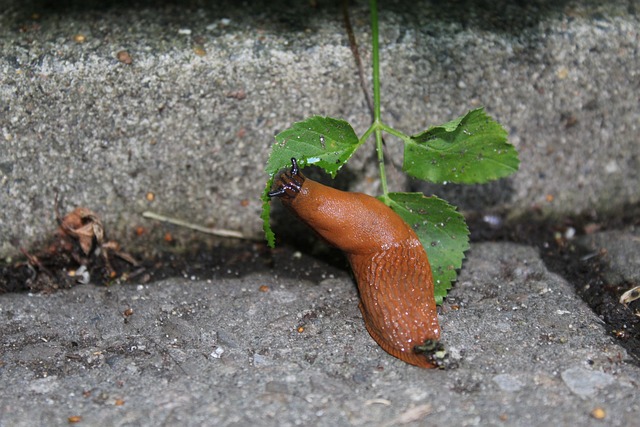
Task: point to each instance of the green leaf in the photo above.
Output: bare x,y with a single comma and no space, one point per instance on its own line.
322,141
442,231
269,235
471,149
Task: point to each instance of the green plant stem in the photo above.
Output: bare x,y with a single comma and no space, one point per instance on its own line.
373,4
375,55
367,133
383,173
394,132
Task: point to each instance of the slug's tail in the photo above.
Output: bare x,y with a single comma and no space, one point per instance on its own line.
397,302
417,356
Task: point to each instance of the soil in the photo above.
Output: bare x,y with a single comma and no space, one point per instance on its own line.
203,259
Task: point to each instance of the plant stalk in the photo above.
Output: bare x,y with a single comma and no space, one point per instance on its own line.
375,55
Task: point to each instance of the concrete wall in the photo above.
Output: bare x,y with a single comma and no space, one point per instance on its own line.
192,117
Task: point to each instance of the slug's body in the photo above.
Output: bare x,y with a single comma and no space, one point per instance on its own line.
389,263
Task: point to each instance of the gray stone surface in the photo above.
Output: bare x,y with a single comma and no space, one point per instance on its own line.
620,251
195,351
192,118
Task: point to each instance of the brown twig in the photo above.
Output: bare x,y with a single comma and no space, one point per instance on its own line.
353,44
35,263
221,232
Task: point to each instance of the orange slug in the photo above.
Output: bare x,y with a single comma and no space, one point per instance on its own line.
389,263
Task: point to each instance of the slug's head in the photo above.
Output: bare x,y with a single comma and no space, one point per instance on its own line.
289,183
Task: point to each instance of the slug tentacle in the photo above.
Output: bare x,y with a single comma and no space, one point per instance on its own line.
389,263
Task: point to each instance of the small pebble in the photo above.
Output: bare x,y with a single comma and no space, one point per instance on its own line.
584,382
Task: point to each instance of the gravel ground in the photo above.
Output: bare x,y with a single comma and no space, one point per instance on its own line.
267,349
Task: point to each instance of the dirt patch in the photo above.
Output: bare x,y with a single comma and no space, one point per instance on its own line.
203,260
585,270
